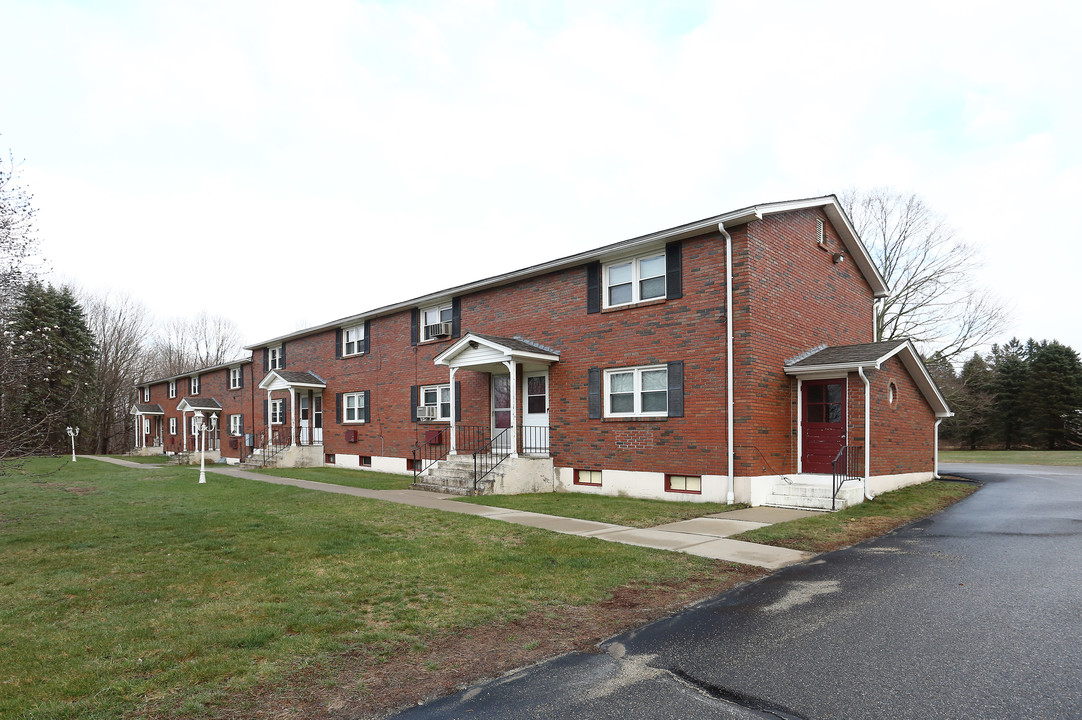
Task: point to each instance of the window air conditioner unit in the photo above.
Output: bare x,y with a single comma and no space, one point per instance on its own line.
426,412
435,330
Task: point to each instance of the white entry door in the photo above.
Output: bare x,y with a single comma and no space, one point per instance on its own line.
535,413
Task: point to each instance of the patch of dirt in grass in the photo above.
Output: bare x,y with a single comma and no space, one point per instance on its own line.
74,489
361,687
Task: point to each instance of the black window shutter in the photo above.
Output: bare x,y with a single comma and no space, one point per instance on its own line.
458,401
367,329
456,316
414,392
240,375
266,360
338,408
415,321
593,287
366,410
338,343
282,357
265,403
242,424
593,393
228,373
676,389
674,273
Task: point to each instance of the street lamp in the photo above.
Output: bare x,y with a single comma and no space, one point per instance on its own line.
73,434
200,425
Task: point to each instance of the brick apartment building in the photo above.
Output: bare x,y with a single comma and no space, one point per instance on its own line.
730,358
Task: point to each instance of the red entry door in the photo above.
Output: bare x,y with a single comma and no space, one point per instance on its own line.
824,424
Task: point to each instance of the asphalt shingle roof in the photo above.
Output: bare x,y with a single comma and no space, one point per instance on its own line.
864,354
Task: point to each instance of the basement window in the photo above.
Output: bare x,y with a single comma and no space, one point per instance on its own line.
588,477
684,484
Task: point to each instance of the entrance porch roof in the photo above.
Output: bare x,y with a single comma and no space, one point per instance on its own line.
825,362
146,409
193,404
286,379
487,352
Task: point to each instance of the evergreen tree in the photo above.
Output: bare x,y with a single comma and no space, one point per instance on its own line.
51,351
973,405
1054,394
1009,380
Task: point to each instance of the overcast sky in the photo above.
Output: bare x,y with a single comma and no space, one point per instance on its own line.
286,164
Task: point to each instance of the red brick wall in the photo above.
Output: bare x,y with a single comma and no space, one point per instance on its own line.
903,434
789,296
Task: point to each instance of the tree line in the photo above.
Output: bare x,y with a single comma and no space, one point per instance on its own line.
1020,395
72,358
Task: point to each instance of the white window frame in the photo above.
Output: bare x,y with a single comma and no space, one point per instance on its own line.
636,391
195,385
235,424
173,389
357,398
172,426
278,410
146,426
274,358
441,392
146,394
235,377
636,280
438,312
353,336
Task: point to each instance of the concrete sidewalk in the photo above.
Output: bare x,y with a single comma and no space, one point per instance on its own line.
706,536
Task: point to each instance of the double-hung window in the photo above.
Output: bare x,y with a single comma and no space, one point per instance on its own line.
146,394
638,391
236,379
353,340
194,383
235,424
353,407
436,322
635,280
172,388
278,412
439,397
275,358
172,426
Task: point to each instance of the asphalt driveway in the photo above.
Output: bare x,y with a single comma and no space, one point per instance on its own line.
974,613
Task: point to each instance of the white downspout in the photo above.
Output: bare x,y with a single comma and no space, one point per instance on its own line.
935,458
867,431
730,496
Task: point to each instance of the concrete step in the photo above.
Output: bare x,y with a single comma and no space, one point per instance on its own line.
814,496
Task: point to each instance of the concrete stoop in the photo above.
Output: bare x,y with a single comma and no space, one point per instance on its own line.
814,496
454,476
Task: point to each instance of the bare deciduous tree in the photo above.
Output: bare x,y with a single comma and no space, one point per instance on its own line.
934,298
121,326
185,344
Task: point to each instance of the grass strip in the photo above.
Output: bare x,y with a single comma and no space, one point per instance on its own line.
832,531
344,476
1013,457
632,512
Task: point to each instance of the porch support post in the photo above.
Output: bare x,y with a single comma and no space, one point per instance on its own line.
270,419
184,429
138,430
510,364
454,439
292,416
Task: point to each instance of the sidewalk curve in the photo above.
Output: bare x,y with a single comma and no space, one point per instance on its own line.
706,536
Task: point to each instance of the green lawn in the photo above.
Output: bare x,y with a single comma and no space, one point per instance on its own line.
602,508
872,518
129,592
343,476
1013,457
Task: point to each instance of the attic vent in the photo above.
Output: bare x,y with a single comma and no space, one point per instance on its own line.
819,235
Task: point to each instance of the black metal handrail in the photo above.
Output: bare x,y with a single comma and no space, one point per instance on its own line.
489,456
845,466
534,440
428,454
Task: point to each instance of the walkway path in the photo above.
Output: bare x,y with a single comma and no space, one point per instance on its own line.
706,536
